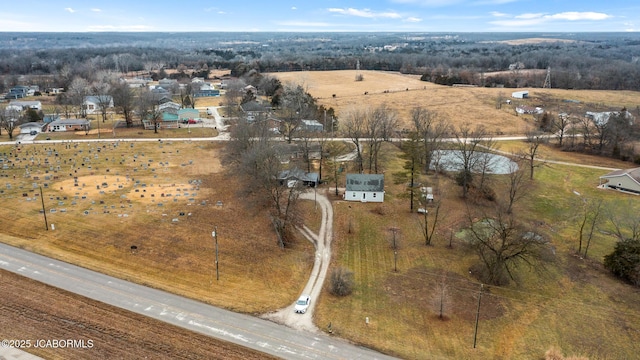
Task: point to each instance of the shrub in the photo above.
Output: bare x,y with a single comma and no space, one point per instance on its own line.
341,282
624,261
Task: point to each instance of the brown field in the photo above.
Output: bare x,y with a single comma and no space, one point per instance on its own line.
32,310
572,303
458,105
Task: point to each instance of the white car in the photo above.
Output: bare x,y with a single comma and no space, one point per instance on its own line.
302,304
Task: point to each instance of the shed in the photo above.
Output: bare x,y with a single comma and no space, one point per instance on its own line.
520,94
365,188
625,180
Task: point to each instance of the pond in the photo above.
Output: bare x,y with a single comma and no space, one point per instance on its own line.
451,160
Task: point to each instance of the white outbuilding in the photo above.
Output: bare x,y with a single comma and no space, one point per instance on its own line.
520,94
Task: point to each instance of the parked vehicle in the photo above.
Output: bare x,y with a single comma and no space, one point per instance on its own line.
302,304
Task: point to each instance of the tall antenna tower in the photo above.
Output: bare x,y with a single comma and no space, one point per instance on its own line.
547,80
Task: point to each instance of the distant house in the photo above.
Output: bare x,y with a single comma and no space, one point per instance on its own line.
167,83
290,177
188,114
311,126
602,118
93,104
520,94
252,109
365,188
207,93
169,105
51,118
626,180
69,125
523,109
29,127
20,105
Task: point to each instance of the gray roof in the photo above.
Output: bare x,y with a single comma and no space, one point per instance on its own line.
66,122
634,174
365,182
298,174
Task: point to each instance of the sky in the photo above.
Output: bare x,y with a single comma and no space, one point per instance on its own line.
322,15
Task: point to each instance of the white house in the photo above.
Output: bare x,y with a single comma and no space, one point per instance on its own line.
93,104
365,188
69,125
19,105
520,94
625,180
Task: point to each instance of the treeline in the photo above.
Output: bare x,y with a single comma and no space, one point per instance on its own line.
606,63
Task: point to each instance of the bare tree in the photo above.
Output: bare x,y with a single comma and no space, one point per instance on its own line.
503,244
295,105
9,120
428,230
103,98
78,91
560,125
123,99
468,144
591,218
517,184
354,125
233,97
534,140
441,299
431,129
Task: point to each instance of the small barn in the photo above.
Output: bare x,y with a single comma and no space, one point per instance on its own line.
365,188
520,94
625,180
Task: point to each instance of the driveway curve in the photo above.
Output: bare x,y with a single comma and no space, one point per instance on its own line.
322,242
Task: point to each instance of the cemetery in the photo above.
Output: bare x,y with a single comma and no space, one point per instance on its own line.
101,183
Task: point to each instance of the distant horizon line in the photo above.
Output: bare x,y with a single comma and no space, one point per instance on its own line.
324,31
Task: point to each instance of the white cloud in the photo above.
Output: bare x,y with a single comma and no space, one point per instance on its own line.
294,8
498,14
531,19
429,3
530,16
69,10
412,19
574,16
303,24
119,28
365,13
96,10
221,12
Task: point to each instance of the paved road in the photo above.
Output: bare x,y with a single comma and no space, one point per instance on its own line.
241,329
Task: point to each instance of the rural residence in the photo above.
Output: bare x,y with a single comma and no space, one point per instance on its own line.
626,180
365,188
69,125
293,176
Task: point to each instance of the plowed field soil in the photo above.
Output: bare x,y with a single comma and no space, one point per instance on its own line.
30,310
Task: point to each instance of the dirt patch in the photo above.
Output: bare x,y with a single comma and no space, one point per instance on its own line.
419,285
32,310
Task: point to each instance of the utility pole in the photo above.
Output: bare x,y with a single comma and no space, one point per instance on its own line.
215,236
475,333
44,211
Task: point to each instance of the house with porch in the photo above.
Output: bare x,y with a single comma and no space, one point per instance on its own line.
365,188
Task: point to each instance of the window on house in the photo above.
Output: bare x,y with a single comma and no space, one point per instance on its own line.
374,194
354,194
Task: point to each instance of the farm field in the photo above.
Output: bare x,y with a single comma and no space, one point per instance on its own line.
458,105
165,197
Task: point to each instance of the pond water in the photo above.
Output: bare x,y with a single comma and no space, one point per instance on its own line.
451,160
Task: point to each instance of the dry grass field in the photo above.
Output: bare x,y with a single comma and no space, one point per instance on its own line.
572,303
458,105
162,197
